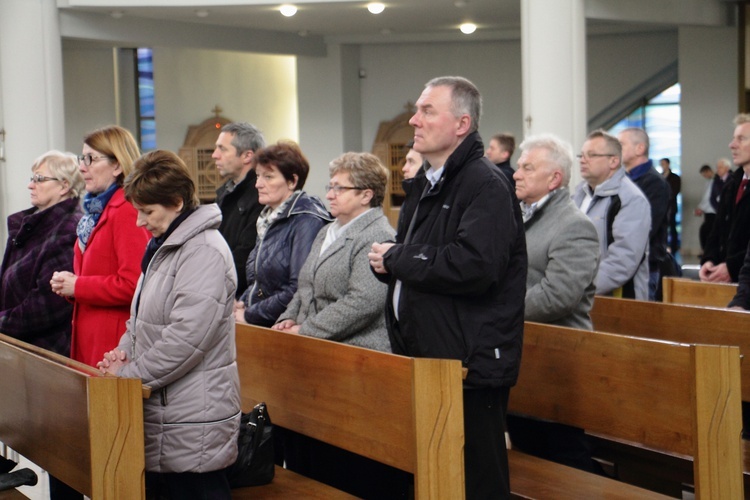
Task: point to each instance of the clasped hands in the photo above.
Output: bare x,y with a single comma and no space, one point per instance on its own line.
113,361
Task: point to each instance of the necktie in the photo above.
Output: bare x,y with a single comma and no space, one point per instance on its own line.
741,191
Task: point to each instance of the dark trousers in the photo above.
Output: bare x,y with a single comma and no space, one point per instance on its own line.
485,454
705,229
212,485
674,238
344,470
552,441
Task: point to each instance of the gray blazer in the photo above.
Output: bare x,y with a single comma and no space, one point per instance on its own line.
338,297
563,251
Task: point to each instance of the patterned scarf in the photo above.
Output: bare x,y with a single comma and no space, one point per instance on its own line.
268,215
93,206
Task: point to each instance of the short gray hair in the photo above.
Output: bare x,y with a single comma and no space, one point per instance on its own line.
559,152
62,166
639,137
465,97
246,137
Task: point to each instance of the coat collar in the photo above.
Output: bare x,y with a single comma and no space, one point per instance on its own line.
352,231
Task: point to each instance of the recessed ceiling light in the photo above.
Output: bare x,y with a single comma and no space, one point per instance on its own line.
375,7
201,13
288,10
468,28
303,33
117,14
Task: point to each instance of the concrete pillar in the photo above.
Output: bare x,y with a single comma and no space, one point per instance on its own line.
553,64
31,95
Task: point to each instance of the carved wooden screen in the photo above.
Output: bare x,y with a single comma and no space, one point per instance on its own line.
389,146
196,151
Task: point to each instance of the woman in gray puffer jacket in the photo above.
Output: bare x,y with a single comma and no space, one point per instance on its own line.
180,335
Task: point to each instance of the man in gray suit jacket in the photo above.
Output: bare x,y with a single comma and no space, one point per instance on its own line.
561,242
563,255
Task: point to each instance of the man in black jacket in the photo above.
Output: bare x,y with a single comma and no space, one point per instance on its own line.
238,197
728,242
457,272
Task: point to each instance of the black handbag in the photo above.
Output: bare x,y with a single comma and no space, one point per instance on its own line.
254,465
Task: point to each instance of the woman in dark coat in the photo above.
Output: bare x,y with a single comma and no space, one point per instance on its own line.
287,227
40,241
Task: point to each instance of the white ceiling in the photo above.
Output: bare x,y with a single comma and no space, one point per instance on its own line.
329,19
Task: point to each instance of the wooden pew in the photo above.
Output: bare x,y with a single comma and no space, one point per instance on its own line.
84,428
696,293
676,323
675,398
404,412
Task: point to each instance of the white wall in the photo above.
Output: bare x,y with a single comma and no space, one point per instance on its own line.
396,74
708,77
260,89
616,64
88,79
188,84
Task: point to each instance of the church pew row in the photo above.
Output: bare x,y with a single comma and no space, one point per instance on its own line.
696,293
400,411
679,399
674,323
81,427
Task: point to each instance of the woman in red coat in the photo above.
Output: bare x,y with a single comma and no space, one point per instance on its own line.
109,249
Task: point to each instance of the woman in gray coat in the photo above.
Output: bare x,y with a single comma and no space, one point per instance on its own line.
338,297
180,335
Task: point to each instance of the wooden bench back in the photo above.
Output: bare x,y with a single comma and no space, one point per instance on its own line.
676,323
696,293
82,427
676,398
404,412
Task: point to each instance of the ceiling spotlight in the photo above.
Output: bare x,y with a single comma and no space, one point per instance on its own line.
288,10
201,13
375,7
117,14
468,28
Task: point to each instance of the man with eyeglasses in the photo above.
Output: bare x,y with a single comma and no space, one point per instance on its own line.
457,272
238,196
621,214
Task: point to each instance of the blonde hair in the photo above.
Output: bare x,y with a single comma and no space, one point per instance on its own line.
64,167
118,144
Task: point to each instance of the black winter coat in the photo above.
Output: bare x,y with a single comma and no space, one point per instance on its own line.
462,268
274,264
730,235
239,213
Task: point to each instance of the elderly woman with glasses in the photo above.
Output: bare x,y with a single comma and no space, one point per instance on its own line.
40,240
180,337
108,252
338,298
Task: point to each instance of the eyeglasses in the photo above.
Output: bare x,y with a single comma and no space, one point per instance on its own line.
38,178
337,190
591,156
88,159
